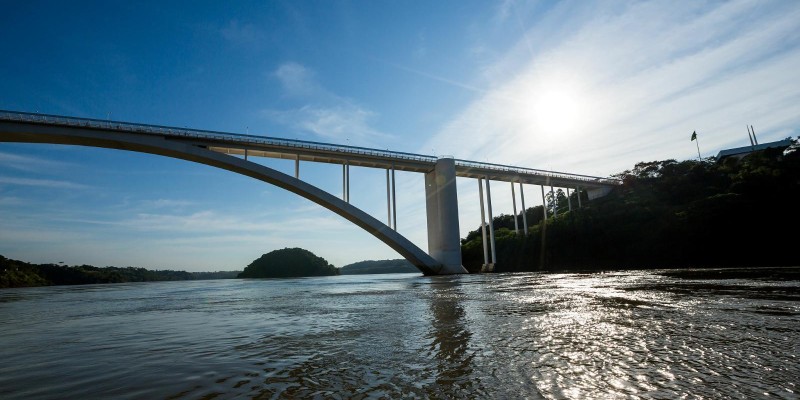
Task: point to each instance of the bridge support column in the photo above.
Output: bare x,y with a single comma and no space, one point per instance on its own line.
444,242
483,225
491,223
544,206
524,216
394,203
391,205
579,198
569,200
514,202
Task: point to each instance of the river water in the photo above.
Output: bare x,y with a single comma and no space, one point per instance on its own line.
627,335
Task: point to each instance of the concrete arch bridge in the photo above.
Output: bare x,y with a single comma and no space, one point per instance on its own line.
232,152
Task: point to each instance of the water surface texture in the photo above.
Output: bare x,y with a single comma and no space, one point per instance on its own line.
556,336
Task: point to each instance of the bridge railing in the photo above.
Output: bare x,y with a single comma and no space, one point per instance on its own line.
534,171
278,142
206,134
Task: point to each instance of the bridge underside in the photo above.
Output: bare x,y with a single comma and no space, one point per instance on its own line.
159,145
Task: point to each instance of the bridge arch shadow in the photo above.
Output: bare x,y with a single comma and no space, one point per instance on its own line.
186,150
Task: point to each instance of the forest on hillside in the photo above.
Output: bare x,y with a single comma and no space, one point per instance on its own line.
666,214
15,273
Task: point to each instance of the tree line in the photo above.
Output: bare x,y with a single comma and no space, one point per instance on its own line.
14,273
666,214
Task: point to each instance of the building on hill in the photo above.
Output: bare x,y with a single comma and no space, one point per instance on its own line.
740,152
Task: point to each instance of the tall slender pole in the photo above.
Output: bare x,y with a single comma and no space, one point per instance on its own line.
544,205
524,217
388,201
579,198
297,166
514,202
394,203
697,142
491,223
483,224
346,181
543,231
569,200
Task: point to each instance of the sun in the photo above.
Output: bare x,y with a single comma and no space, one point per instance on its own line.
558,111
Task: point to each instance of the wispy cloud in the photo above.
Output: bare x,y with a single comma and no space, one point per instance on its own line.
30,164
296,79
322,114
41,183
165,203
626,98
344,123
215,223
241,33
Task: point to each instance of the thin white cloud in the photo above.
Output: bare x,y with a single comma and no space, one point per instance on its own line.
212,222
11,201
637,97
322,114
241,33
296,79
165,203
48,183
30,164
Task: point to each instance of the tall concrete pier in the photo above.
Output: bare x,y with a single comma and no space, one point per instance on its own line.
441,201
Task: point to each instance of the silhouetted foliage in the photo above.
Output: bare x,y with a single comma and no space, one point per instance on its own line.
400,265
15,273
288,262
666,214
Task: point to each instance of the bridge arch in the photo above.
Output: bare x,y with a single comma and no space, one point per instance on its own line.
185,150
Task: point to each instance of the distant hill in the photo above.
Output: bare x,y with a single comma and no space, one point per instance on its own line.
378,267
288,262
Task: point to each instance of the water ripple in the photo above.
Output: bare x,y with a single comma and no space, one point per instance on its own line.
617,335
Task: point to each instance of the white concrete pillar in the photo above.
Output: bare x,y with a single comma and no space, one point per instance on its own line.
491,222
544,205
441,203
579,197
483,224
524,216
388,201
514,202
346,181
569,200
394,203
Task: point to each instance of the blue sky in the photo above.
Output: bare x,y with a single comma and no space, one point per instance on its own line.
575,86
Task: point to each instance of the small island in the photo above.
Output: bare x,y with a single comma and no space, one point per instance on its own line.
288,263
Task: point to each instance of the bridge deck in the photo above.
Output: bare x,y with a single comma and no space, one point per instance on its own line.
261,146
